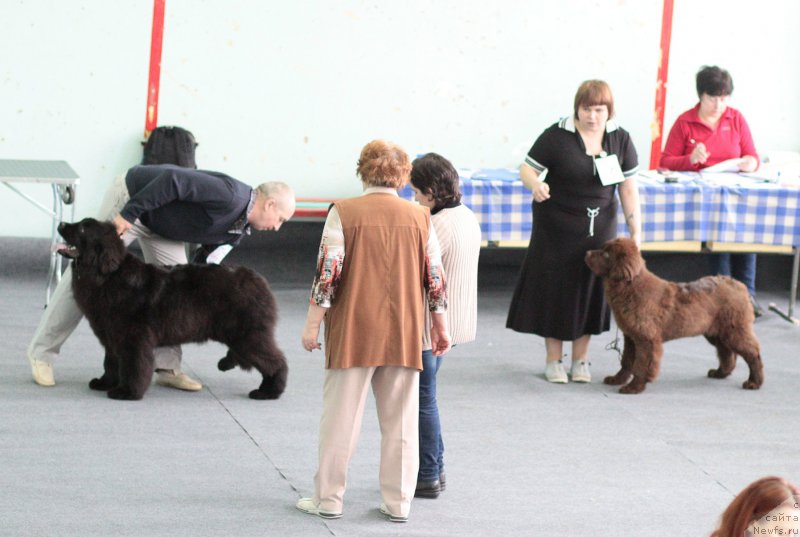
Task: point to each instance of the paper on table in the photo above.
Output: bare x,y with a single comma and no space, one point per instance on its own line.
730,165
734,179
655,177
765,172
784,174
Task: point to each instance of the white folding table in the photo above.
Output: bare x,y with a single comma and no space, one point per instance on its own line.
63,182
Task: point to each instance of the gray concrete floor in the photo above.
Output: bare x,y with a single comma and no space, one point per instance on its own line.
524,457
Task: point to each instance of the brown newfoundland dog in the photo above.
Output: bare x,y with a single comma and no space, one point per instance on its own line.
650,311
134,307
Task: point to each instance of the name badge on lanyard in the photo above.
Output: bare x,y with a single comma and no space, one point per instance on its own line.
609,170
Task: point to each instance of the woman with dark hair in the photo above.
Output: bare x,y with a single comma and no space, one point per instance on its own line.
434,181
712,131
746,511
586,157
378,258
705,135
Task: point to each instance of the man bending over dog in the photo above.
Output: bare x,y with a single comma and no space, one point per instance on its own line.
163,207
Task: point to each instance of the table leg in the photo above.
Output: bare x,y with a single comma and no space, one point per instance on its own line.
789,315
54,272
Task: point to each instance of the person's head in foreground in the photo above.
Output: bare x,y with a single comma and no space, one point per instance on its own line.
751,512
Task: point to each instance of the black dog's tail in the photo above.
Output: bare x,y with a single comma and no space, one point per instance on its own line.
257,288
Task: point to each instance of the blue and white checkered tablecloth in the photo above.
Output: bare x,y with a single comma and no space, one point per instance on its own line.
671,212
762,214
688,211
503,208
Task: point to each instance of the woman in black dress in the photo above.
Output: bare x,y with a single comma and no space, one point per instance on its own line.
585,158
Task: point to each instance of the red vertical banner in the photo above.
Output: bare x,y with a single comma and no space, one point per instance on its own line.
151,117
657,126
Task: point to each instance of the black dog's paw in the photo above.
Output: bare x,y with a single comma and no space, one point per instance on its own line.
103,384
122,393
262,394
717,374
226,364
750,385
271,387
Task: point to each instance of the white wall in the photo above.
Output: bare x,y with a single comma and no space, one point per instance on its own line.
758,43
293,90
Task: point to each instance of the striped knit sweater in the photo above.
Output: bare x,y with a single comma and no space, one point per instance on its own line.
459,235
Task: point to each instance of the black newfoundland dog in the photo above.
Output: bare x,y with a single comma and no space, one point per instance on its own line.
134,307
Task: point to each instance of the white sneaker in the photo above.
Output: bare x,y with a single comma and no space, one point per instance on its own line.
580,372
42,372
554,372
307,505
175,378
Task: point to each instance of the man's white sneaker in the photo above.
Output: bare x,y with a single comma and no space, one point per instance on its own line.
554,372
580,372
42,372
177,379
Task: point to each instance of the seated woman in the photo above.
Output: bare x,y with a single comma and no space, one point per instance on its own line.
705,135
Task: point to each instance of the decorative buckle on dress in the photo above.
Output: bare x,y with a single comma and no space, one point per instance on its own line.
592,213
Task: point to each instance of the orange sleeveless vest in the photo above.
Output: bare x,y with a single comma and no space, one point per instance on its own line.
376,318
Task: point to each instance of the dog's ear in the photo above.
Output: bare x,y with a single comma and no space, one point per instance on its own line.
626,261
110,256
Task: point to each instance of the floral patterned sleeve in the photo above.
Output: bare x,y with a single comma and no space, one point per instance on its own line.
330,261
435,284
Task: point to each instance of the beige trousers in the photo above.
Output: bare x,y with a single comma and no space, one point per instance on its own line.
396,391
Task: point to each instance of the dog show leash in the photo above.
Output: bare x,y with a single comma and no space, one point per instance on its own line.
614,345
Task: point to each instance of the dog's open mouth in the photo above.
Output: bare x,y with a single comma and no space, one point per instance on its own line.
67,250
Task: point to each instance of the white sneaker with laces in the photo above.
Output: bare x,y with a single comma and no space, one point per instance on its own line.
580,372
554,372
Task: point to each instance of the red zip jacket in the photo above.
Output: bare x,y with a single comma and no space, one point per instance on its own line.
731,139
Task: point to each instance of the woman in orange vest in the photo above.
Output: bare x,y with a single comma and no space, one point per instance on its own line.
378,258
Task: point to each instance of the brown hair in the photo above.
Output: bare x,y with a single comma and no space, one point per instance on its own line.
384,164
594,93
756,500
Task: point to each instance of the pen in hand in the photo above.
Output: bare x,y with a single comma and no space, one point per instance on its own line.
699,155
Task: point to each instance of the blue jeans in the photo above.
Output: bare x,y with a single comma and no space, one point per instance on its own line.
740,266
431,447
